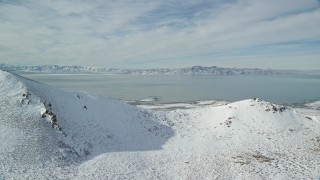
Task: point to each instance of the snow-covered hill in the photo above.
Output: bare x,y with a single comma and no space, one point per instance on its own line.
47,133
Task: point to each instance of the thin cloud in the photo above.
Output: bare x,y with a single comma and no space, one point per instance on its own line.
148,33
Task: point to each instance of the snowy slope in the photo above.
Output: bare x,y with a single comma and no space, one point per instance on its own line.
86,126
47,133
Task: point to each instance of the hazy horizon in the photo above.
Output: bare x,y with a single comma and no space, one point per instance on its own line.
146,68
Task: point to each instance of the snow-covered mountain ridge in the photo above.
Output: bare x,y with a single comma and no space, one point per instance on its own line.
50,68
195,70
52,134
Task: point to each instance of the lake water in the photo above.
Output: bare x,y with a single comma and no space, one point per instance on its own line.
280,89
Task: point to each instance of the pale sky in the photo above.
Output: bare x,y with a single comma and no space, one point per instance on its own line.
280,34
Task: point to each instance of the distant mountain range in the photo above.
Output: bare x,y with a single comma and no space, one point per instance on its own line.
195,70
50,68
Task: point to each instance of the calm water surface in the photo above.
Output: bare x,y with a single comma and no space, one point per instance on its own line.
182,88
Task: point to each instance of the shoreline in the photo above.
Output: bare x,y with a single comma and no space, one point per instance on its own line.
308,107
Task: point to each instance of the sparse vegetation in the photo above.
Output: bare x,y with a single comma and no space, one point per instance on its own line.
262,158
228,122
308,117
247,158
